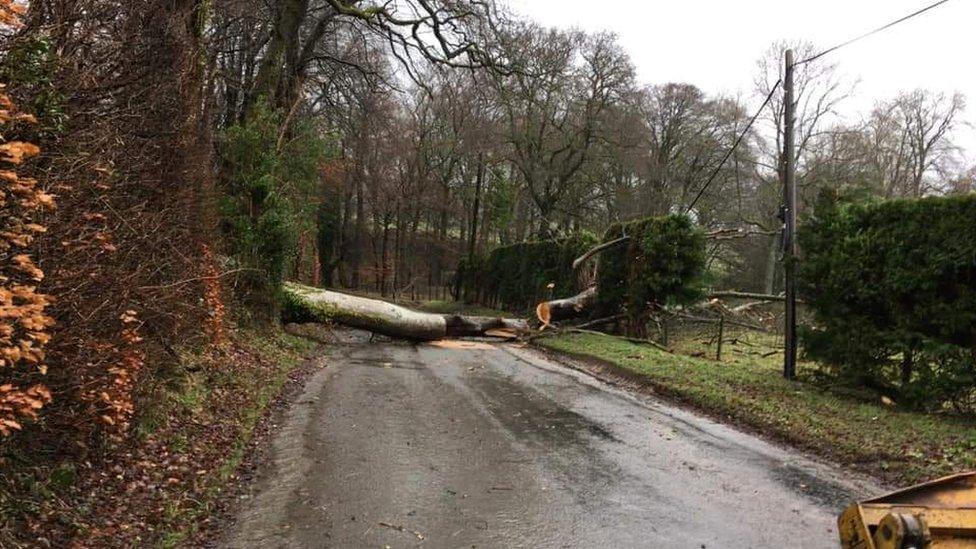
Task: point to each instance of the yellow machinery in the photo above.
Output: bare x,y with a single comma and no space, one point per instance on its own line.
936,515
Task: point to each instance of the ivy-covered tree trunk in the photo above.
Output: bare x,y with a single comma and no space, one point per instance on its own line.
279,69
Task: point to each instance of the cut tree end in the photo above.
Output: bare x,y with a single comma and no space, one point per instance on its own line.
544,314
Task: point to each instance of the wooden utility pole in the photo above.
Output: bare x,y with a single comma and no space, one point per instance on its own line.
789,218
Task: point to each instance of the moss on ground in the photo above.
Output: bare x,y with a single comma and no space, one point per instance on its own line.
748,389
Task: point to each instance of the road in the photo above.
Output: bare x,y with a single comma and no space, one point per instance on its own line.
495,446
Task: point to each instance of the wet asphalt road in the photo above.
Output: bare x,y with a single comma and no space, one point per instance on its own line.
396,445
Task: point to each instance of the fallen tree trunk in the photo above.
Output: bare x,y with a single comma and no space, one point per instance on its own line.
304,303
561,309
578,305
474,326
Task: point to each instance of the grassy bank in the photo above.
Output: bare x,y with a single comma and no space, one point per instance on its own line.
747,388
160,486
271,359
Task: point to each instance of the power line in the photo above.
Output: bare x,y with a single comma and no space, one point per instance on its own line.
872,33
735,146
738,141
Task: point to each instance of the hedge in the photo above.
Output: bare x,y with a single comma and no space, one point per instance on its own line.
662,264
516,277
892,286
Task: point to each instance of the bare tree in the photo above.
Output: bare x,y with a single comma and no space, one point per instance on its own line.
554,105
448,32
928,121
818,92
904,148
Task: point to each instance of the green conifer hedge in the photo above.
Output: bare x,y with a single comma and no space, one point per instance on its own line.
663,264
892,286
517,277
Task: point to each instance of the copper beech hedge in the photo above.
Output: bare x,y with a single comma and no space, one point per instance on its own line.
24,322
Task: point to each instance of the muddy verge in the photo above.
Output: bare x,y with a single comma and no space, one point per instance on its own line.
257,453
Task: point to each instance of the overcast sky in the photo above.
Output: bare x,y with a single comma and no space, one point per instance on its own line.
714,44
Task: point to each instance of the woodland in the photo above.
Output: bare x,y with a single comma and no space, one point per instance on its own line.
168,165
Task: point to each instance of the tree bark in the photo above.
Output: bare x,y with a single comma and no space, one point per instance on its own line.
772,260
907,367
561,309
579,305
599,249
359,234
312,304
475,326
279,73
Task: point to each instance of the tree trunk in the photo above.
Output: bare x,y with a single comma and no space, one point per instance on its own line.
311,304
771,262
907,367
358,238
562,309
278,75
479,180
582,304
473,237
397,255
385,256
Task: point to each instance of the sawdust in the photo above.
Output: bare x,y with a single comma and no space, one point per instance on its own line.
460,344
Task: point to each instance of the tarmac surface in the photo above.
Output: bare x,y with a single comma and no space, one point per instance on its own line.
473,444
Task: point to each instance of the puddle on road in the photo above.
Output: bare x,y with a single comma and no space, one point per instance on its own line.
530,414
823,492
391,364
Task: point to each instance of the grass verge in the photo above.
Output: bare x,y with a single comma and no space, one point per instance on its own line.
748,390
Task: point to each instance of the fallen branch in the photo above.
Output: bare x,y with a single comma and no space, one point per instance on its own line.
751,305
745,295
599,249
717,320
601,321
